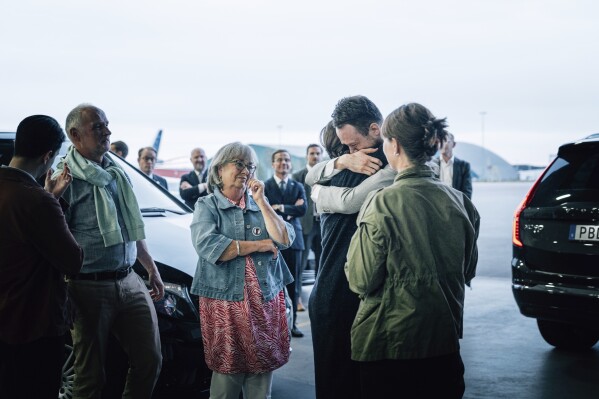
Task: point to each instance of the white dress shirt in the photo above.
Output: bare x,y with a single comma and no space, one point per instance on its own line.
446,171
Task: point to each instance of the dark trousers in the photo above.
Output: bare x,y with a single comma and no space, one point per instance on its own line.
312,241
293,258
32,370
436,377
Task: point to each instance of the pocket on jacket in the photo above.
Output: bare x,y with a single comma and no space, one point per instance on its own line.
213,276
367,310
274,274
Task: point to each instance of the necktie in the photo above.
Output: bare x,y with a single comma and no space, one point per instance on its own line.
282,186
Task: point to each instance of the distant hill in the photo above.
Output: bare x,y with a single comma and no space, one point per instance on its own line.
485,164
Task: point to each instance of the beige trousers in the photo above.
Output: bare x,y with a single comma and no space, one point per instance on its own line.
125,309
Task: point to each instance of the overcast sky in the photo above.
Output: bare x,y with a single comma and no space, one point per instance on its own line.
210,72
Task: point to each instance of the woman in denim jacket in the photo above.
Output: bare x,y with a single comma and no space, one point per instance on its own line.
240,277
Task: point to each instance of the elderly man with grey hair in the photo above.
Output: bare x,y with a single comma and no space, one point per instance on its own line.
109,298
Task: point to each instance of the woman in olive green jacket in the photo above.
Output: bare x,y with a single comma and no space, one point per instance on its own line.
413,252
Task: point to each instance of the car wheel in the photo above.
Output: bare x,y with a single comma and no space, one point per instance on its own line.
567,336
68,374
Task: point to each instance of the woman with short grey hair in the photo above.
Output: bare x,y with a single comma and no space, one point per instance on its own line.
234,150
240,277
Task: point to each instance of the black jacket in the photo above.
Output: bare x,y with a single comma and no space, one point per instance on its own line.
293,213
462,178
191,195
160,180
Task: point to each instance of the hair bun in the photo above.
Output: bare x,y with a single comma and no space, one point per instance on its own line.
434,133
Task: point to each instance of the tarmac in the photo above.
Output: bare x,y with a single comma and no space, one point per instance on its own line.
504,355
295,380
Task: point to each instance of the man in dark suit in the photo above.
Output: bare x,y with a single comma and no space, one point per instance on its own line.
453,171
195,184
146,158
311,220
288,198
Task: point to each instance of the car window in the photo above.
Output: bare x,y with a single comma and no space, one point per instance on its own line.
573,177
6,151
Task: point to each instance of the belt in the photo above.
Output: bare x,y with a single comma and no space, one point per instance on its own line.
113,275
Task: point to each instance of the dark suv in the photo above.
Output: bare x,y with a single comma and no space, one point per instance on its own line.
555,265
167,222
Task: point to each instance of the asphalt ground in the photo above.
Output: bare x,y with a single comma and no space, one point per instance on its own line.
503,352
504,355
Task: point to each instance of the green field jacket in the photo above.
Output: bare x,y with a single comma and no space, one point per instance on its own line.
409,260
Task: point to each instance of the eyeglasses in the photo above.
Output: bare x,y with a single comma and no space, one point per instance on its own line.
242,165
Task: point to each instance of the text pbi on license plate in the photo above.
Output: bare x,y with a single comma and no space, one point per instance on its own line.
579,232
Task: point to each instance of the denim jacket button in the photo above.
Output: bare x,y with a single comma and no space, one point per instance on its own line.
247,226
260,263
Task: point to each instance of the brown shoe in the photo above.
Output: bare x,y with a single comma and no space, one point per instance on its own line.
300,307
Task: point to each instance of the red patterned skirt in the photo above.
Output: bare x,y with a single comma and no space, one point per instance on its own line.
249,336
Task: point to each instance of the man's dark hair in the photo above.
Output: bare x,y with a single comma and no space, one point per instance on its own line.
357,111
122,147
312,145
36,135
146,148
274,154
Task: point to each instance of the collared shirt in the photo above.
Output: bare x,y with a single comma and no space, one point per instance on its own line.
203,186
446,171
83,223
278,180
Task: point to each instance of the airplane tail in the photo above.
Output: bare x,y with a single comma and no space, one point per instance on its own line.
156,145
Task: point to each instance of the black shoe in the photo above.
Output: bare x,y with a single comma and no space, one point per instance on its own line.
296,332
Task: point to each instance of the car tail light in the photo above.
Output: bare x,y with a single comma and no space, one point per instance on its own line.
527,198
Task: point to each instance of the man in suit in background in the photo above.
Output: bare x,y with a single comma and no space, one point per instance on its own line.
146,158
288,198
453,171
311,220
195,184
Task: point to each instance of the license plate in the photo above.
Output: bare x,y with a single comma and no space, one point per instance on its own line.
580,232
